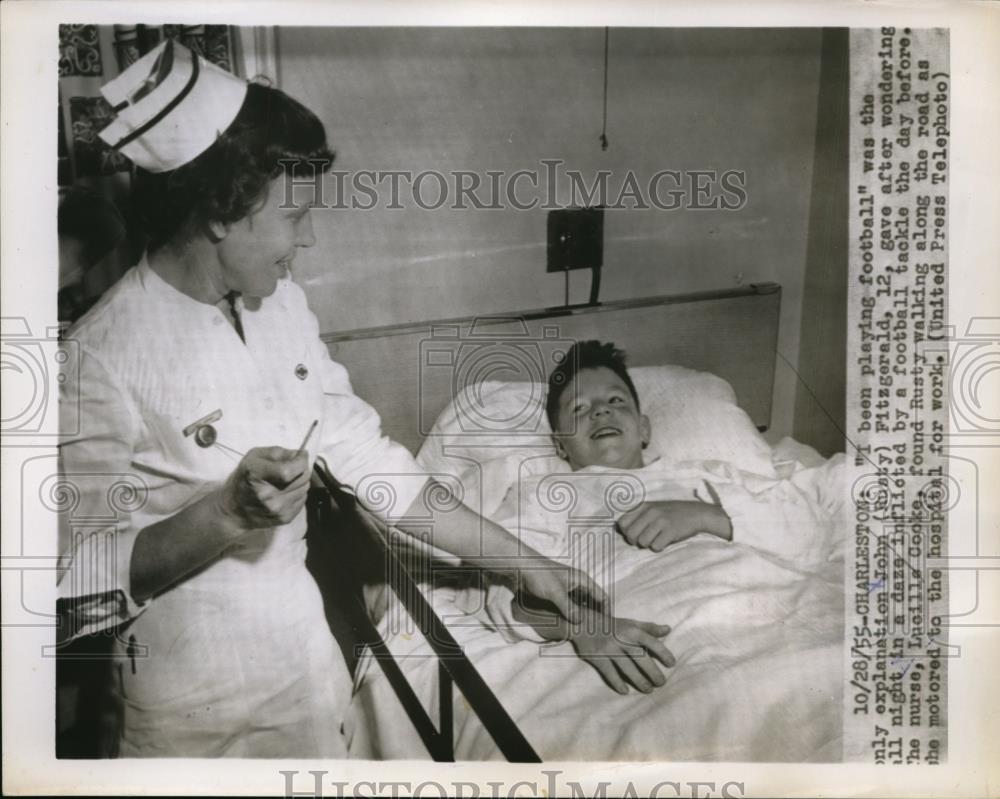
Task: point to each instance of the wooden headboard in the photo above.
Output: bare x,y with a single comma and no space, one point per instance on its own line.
410,372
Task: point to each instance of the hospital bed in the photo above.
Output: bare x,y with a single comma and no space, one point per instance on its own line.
466,394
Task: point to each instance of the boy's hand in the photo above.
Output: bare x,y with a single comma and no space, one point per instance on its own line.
627,655
623,651
657,525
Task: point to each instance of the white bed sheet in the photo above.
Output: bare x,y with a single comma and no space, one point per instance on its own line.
757,632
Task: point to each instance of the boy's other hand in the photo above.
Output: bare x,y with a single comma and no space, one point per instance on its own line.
657,525
629,654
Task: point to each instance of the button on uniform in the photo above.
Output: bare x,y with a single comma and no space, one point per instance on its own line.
205,435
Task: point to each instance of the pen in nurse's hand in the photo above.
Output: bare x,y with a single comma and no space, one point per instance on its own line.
302,446
305,440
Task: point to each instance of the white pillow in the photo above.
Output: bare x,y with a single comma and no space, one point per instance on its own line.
488,435
694,417
493,432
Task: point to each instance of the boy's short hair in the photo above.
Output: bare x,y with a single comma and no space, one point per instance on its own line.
583,355
227,181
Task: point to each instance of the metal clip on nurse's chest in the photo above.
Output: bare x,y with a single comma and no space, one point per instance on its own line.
204,433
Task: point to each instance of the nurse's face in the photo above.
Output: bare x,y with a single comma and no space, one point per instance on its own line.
257,251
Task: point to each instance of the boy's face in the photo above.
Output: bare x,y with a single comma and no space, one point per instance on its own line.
599,423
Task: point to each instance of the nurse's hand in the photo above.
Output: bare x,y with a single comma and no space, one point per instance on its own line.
268,488
571,591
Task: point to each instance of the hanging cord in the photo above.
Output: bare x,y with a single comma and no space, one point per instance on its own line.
604,123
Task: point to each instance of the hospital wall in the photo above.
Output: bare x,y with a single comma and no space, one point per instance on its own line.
506,99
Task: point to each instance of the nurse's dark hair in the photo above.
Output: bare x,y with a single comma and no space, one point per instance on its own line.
271,134
584,355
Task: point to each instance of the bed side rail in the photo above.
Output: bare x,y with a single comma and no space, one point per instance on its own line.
372,546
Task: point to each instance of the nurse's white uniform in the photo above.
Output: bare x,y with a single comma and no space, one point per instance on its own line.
236,659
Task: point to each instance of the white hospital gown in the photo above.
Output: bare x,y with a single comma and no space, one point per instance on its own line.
236,659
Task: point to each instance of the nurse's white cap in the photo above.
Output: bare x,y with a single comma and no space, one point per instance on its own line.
171,105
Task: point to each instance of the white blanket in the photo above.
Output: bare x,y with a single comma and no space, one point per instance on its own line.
757,629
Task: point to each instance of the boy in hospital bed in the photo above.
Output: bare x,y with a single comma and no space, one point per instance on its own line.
593,409
745,565
600,431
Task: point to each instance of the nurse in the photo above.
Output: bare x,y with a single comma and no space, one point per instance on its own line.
198,375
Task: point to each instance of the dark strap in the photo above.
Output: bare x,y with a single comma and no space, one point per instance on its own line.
139,131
